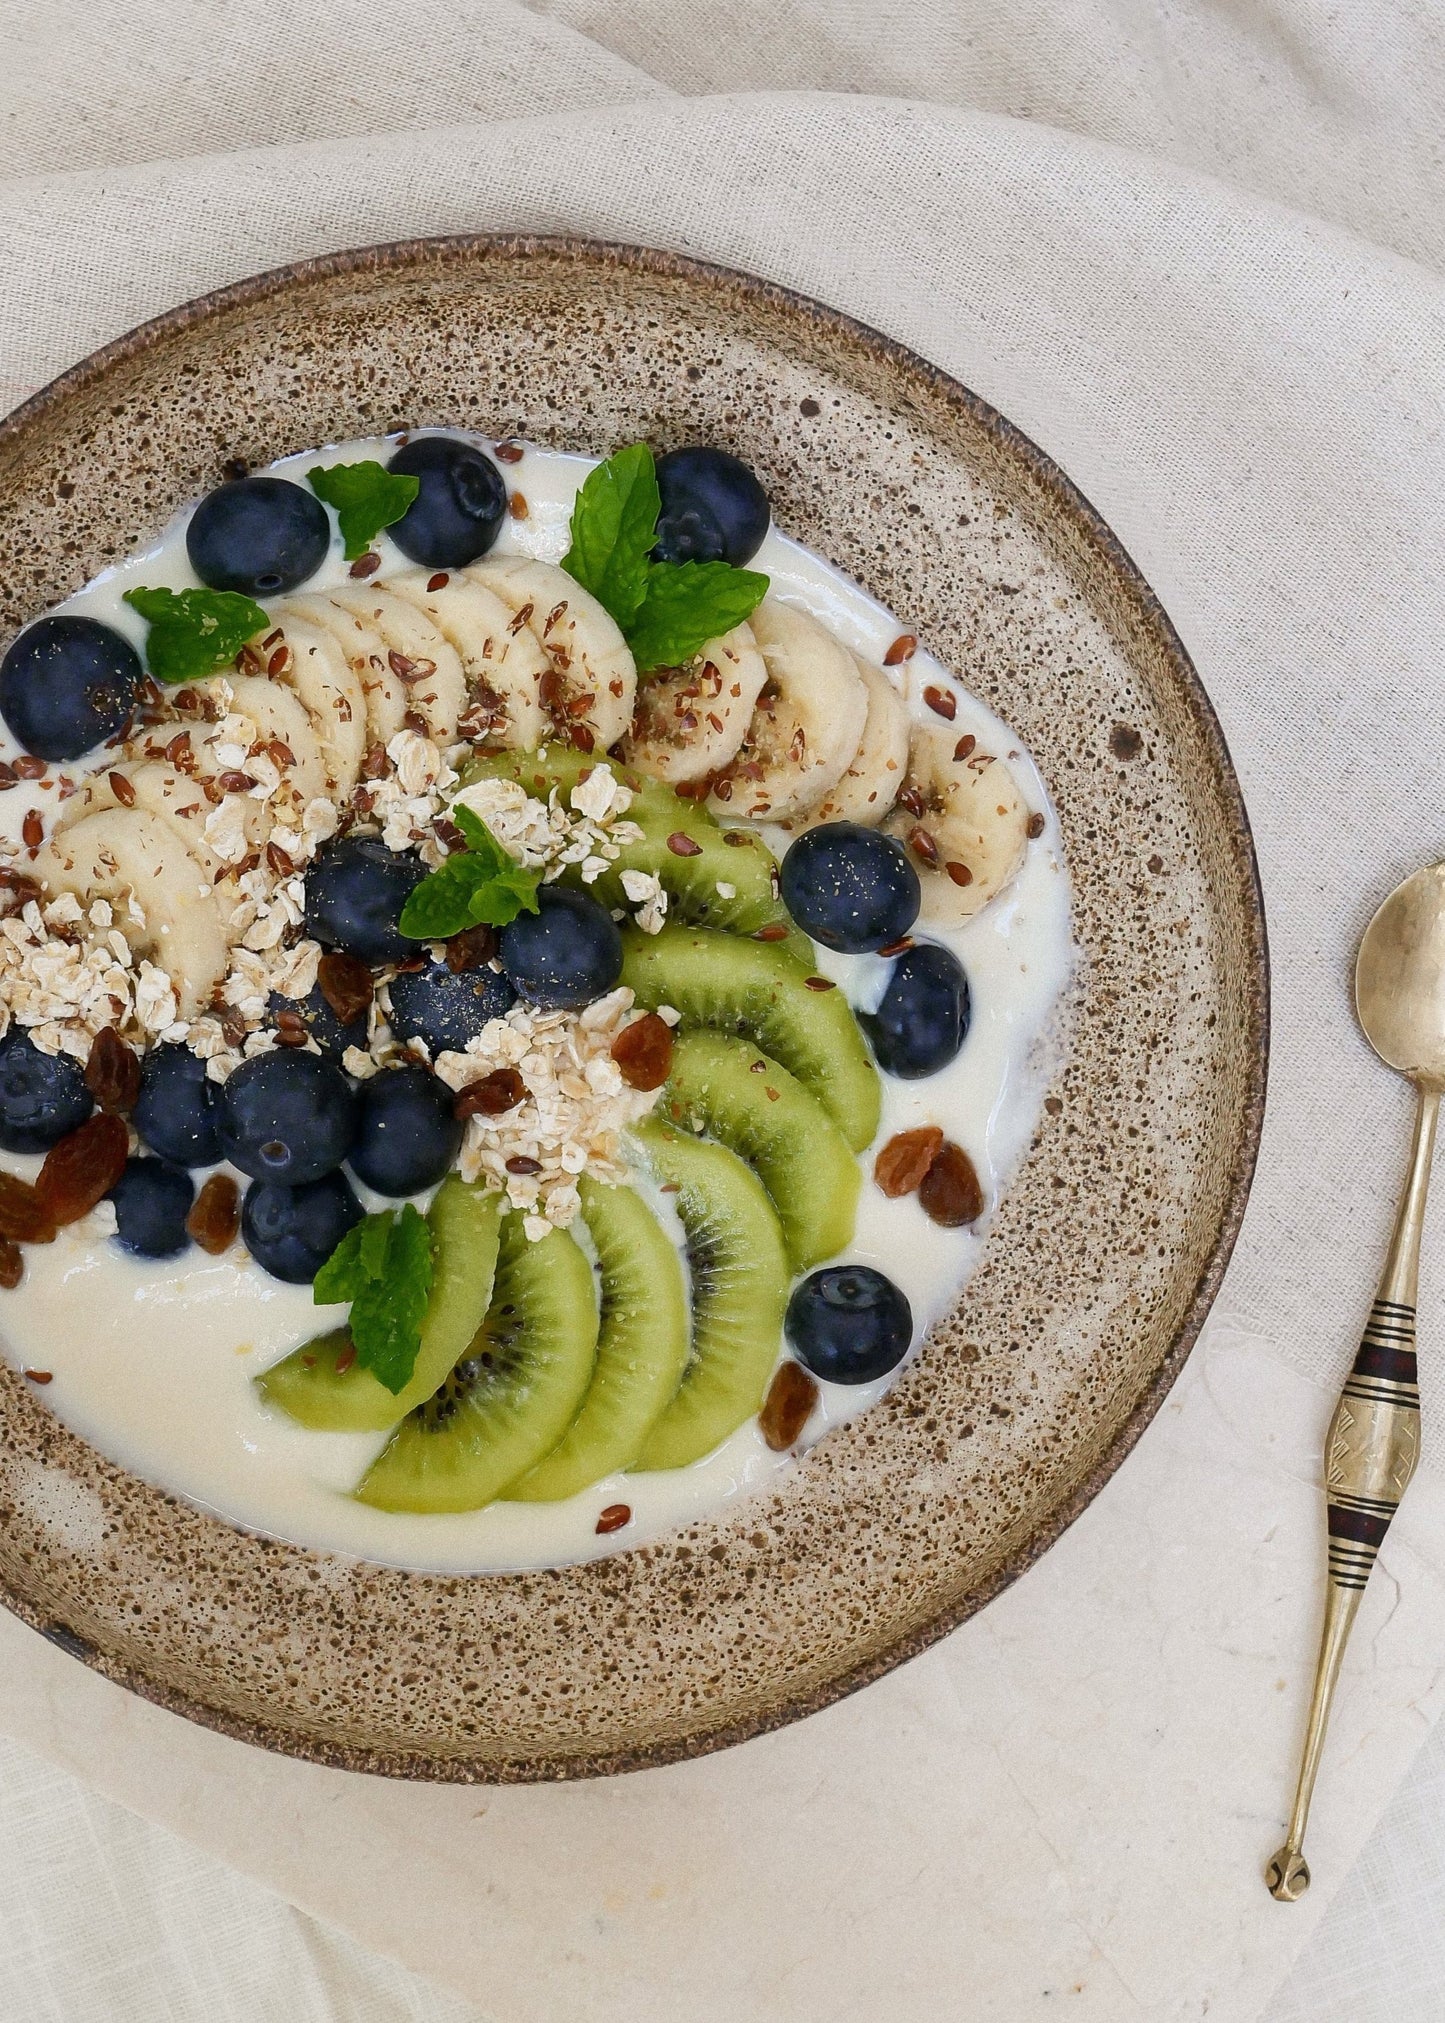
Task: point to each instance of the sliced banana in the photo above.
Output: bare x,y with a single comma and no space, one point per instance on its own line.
807,725
596,677
367,656
318,671
963,821
421,658
870,786
691,721
162,790
504,664
124,853
279,715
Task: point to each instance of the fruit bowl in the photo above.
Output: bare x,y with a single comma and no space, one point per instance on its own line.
1109,1244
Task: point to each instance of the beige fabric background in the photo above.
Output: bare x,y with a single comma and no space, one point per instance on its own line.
1193,249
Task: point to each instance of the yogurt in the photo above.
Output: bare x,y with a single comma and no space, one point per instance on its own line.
152,1362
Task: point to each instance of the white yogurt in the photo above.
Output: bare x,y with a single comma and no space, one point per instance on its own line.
152,1363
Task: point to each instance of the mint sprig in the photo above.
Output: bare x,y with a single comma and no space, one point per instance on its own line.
384,1267
614,526
666,610
688,603
193,633
367,497
481,886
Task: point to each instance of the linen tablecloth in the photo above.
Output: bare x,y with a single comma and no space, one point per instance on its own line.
1194,250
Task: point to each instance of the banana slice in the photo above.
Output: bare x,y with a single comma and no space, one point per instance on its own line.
807,725
279,715
870,786
595,683
162,790
331,692
504,664
419,656
692,720
963,821
125,852
383,692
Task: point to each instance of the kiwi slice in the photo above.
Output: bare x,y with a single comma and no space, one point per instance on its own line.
308,1385
641,1349
514,1393
710,856
725,1088
757,989
739,1292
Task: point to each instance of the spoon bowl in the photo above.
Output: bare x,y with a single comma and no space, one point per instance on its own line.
1400,978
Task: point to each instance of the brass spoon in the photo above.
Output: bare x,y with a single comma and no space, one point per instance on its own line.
1374,1438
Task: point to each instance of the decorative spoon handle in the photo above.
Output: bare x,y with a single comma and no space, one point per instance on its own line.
1370,1454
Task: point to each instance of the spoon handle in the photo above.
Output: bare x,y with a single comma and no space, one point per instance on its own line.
1370,1454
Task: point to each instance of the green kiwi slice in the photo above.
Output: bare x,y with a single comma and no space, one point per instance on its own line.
760,991
641,1350
309,1386
513,1394
739,1291
681,844
727,1089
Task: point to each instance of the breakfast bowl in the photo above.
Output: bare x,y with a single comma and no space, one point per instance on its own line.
1136,1103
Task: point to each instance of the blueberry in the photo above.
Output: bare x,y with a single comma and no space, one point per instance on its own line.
67,684
408,1136
458,513
43,1097
447,1008
315,1013
849,887
152,1201
291,1231
713,508
922,1019
355,891
288,1117
564,955
849,1324
261,536
175,1112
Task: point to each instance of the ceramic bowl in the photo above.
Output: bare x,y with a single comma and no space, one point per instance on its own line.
1107,1248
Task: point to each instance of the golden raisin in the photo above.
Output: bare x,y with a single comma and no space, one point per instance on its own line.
112,1071
345,984
903,1162
215,1214
492,1096
787,1407
643,1051
24,1217
950,1192
83,1167
470,949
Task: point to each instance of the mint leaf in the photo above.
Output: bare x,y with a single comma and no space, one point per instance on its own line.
481,886
384,1267
341,1275
614,525
387,1313
667,610
687,603
367,497
194,633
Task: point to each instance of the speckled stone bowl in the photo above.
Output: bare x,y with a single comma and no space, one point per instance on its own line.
1110,1243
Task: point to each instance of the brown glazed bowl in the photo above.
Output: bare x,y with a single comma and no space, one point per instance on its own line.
1109,1245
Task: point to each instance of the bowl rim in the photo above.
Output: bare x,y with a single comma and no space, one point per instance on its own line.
1148,612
